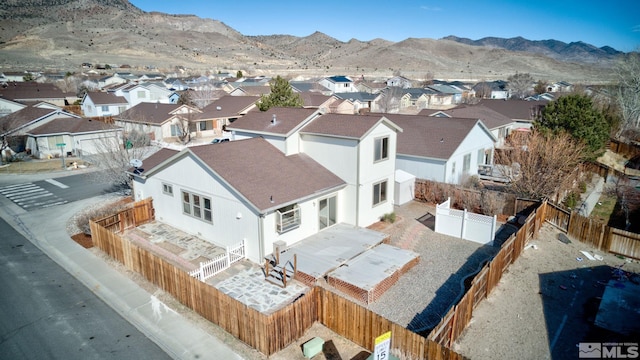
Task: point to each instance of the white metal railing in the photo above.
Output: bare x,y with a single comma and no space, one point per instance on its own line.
288,220
220,263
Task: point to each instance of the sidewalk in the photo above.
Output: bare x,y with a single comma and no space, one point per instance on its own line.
177,336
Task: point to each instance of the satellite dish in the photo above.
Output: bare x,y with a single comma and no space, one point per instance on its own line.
136,163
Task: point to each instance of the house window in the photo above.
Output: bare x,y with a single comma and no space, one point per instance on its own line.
167,189
104,108
379,192
205,125
121,109
54,140
466,163
141,94
481,157
288,218
381,151
175,130
327,212
197,206
453,168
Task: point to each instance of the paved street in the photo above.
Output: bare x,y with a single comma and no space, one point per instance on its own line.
47,314
50,192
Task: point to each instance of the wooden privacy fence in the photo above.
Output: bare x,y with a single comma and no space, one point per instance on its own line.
138,213
267,333
459,316
594,233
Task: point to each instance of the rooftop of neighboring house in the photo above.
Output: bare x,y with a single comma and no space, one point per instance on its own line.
148,113
103,98
32,91
344,125
516,109
20,118
491,118
70,125
256,90
430,137
339,79
228,106
313,99
278,120
307,86
357,96
445,88
417,92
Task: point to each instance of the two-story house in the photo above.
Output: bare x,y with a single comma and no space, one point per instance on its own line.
95,104
339,84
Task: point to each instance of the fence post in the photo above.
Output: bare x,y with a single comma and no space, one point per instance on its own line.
464,224
228,256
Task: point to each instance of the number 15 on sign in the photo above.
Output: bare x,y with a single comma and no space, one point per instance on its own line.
382,347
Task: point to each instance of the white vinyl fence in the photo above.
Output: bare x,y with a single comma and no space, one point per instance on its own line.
465,225
222,262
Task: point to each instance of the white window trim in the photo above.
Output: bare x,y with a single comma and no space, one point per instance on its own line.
379,192
167,189
193,208
381,146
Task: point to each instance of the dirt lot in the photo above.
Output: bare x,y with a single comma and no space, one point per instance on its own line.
33,166
544,305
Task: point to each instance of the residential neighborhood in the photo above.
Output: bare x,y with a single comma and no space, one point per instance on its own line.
352,196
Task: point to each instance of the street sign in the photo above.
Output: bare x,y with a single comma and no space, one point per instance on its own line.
382,347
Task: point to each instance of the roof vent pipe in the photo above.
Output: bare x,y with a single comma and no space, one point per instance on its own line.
273,119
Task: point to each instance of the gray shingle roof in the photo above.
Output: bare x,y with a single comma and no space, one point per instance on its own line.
148,113
103,98
22,117
515,109
71,126
491,118
228,106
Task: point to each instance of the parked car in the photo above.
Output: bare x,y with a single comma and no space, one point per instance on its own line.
219,140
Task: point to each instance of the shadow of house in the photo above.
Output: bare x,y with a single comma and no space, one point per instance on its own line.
451,291
571,301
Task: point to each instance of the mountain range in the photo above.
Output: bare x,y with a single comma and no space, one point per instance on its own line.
62,34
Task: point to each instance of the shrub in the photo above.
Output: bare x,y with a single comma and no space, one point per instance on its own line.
390,217
82,220
571,200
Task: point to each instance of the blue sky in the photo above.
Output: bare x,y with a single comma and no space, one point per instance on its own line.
615,23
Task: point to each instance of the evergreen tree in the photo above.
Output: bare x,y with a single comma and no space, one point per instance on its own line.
281,95
577,115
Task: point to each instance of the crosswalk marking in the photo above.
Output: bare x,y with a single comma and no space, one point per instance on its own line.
31,196
57,183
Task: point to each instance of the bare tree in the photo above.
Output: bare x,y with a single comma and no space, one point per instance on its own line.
184,123
542,165
628,93
628,198
483,90
114,156
204,96
520,85
389,100
428,79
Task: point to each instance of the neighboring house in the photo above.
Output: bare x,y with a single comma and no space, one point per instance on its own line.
445,89
221,112
446,150
560,86
162,122
207,190
13,76
14,126
492,90
339,84
362,101
176,84
522,112
416,99
133,93
110,80
256,90
541,97
9,106
30,92
73,137
371,87
499,124
309,86
399,81
95,104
